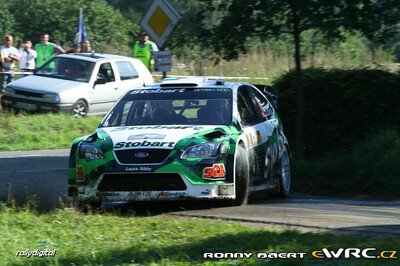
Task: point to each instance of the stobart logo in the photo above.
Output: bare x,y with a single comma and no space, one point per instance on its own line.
130,144
347,253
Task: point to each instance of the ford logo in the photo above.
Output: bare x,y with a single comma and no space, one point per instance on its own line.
141,154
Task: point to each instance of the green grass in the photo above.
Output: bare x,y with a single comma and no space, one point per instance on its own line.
44,131
108,239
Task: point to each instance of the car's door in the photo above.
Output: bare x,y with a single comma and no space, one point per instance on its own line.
105,88
128,76
270,125
259,130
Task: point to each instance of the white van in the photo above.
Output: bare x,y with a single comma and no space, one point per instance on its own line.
78,84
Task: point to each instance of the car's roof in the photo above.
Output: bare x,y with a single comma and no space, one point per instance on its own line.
93,57
194,82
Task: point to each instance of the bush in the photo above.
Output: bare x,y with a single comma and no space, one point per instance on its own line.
371,166
341,106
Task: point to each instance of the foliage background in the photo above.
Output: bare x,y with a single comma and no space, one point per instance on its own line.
107,29
352,132
112,26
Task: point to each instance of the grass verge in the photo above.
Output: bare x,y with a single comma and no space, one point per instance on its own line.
113,240
43,131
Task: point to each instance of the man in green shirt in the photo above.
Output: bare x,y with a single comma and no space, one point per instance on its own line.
46,50
143,50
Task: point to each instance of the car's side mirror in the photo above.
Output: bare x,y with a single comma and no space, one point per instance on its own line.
271,95
100,81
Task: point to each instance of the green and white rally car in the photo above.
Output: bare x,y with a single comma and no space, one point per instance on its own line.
183,139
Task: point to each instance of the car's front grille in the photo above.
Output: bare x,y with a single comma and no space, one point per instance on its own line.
141,182
29,94
142,156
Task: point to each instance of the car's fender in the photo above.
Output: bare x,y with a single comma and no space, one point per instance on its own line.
71,95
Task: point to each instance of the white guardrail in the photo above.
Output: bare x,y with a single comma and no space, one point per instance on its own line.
212,77
171,76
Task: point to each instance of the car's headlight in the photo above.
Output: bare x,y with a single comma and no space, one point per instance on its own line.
51,97
9,91
90,152
206,150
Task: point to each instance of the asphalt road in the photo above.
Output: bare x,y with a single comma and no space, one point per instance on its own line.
38,176
42,176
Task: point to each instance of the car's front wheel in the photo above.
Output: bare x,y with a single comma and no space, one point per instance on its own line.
79,109
241,177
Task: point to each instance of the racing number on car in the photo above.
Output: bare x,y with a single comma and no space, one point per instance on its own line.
217,171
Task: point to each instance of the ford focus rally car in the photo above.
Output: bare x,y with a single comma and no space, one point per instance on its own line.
182,140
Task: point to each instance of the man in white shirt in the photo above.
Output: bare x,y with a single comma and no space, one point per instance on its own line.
9,54
27,57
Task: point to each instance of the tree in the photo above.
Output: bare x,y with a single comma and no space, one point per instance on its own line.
6,19
378,20
228,25
107,29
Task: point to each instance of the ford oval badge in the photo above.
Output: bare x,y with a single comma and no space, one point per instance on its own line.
141,154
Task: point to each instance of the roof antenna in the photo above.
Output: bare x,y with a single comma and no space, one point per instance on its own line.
92,54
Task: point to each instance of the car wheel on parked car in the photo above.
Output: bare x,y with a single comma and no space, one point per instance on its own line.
79,109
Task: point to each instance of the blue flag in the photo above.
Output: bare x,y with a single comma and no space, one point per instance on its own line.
80,35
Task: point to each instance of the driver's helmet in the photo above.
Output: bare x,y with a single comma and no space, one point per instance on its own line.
214,112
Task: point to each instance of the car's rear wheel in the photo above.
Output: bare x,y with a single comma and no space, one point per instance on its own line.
284,178
79,109
241,177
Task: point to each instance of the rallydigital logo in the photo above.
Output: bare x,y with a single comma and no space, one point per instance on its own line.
36,253
347,253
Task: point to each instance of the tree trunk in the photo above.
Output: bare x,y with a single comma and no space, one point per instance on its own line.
299,87
373,50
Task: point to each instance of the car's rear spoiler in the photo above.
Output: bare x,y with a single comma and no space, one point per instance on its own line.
269,92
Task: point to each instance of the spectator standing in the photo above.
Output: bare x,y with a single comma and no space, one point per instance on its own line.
144,49
86,48
27,57
9,54
46,50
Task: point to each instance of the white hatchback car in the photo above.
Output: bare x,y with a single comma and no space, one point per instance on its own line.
79,84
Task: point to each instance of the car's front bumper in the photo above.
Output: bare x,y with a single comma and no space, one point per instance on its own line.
216,190
34,106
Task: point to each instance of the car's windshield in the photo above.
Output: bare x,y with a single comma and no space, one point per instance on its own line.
67,68
205,106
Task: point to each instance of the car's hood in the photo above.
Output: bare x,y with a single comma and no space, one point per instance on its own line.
150,137
44,84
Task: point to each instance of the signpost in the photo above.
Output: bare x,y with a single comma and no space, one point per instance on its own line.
159,22
162,61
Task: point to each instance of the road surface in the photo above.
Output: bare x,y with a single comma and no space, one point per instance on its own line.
34,175
42,175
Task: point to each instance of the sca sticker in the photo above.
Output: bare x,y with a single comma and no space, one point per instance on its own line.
217,171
